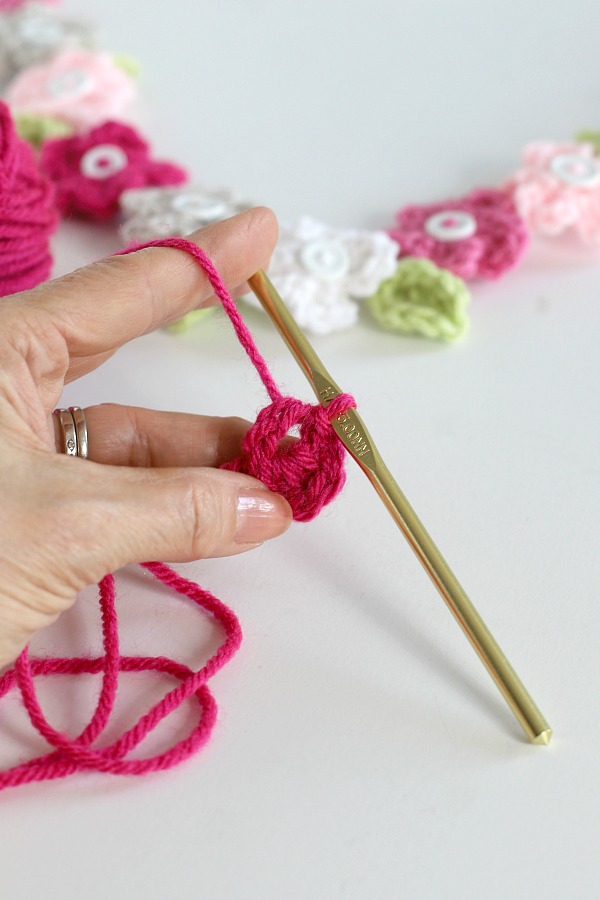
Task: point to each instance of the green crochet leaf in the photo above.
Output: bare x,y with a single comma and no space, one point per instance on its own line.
38,129
420,298
589,137
129,64
190,320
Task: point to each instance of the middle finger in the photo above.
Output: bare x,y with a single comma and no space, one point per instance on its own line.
133,436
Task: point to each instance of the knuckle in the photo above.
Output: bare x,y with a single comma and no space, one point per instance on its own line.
211,523
261,218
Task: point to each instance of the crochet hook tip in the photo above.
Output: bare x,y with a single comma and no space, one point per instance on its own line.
543,738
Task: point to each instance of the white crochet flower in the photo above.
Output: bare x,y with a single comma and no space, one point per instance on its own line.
152,213
318,270
33,33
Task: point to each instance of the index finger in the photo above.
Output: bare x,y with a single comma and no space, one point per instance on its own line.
103,306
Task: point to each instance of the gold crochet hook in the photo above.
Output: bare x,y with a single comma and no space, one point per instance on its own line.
351,431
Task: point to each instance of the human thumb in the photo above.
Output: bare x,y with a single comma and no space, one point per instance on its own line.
182,514
72,525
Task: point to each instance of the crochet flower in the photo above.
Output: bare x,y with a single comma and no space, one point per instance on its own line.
558,187
8,5
34,33
477,236
421,298
159,212
91,171
77,86
318,270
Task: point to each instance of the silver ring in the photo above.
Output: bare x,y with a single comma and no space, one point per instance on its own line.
80,430
73,431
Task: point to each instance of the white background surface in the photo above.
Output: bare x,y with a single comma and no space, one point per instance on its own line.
361,750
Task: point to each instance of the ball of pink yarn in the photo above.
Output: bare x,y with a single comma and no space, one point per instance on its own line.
27,213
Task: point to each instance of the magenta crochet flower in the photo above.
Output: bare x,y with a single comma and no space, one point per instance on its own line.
91,171
80,87
477,236
558,187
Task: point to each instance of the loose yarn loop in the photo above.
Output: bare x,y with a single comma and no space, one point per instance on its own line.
27,213
309,472
77,754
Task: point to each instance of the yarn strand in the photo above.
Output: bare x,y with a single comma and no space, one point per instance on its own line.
221,292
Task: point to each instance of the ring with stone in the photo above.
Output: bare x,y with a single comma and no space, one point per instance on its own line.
73,431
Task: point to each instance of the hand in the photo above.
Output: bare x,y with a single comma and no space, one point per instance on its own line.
143,494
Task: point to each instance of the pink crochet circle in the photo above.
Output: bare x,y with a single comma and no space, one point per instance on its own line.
497,244
308,472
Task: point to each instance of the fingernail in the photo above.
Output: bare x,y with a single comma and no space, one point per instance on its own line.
261,515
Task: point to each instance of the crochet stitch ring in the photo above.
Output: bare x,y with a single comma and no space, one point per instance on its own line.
309,478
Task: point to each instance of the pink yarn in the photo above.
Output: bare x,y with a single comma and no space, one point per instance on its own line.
8,5
72,755
309,472
27,213
91,171
496,246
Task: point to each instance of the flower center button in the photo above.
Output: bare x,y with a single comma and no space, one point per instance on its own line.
40,31
74,83
325,259
103,161
451,225
578,171
205,209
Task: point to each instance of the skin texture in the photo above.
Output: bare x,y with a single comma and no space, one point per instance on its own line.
66,522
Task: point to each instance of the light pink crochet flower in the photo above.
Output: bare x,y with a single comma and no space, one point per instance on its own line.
91,171
6,5
477,236
558,188
80,87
